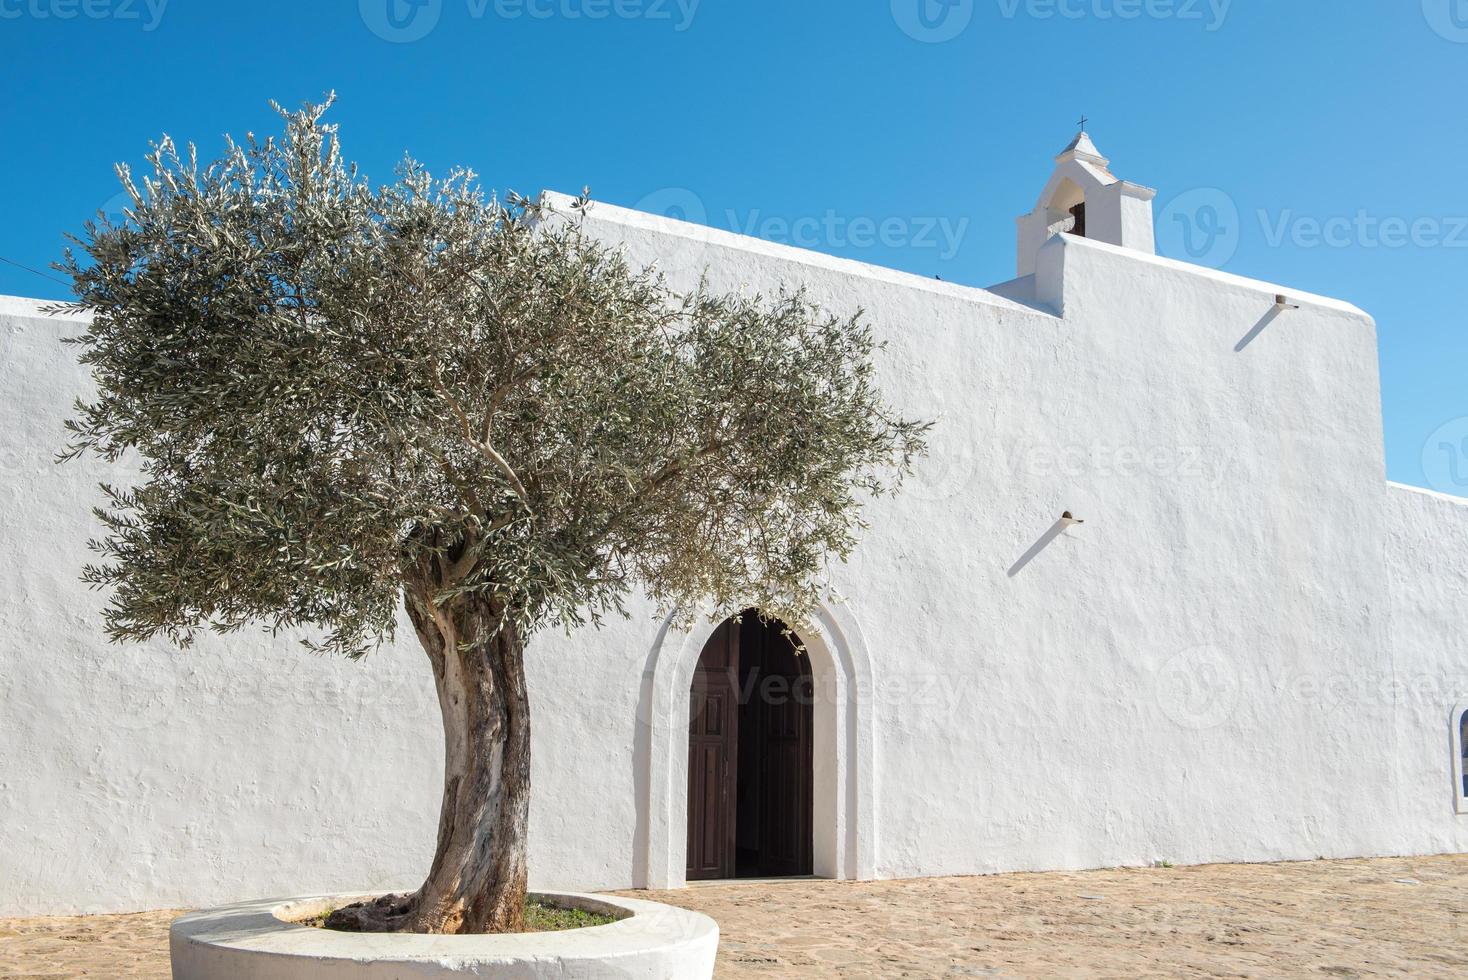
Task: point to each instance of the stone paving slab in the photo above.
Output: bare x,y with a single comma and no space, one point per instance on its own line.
1379,918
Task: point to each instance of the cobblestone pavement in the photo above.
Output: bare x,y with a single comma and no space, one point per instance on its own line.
1392,917
1389,917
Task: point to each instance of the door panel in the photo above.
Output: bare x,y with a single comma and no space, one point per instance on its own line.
713,732
787,773
775,776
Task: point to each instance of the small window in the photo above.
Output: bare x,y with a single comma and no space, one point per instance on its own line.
1459,727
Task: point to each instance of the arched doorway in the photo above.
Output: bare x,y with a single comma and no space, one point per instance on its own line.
750,754
846,827
1069,200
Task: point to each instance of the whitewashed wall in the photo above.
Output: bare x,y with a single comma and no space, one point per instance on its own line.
141,777
1203,671
1427,677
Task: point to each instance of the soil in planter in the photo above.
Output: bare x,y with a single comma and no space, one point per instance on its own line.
539,917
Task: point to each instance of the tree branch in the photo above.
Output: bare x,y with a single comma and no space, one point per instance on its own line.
484,448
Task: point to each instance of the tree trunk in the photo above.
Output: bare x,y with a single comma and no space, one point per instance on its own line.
477,883
478,879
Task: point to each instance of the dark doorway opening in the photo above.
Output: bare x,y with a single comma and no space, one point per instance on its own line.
750,765
1079,213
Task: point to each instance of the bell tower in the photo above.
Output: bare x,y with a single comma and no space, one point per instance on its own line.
1084,198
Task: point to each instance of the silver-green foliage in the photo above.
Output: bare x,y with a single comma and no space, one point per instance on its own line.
338,392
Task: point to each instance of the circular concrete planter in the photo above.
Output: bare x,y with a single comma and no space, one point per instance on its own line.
255,941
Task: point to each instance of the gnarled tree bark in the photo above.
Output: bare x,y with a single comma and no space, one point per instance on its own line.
478,880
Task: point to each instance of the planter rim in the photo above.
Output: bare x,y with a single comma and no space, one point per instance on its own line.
256,927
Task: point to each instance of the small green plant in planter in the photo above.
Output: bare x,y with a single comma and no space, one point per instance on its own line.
351,401
539,917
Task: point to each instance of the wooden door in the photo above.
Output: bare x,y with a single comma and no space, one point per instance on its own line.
713,757
786,775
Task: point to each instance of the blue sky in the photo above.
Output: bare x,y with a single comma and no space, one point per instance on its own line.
1314,143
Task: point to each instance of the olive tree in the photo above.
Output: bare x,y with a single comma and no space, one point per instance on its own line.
352,401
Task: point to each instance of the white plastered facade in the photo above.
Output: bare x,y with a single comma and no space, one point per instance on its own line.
1249,651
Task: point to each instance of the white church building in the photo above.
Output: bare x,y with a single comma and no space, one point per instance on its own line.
1150,598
